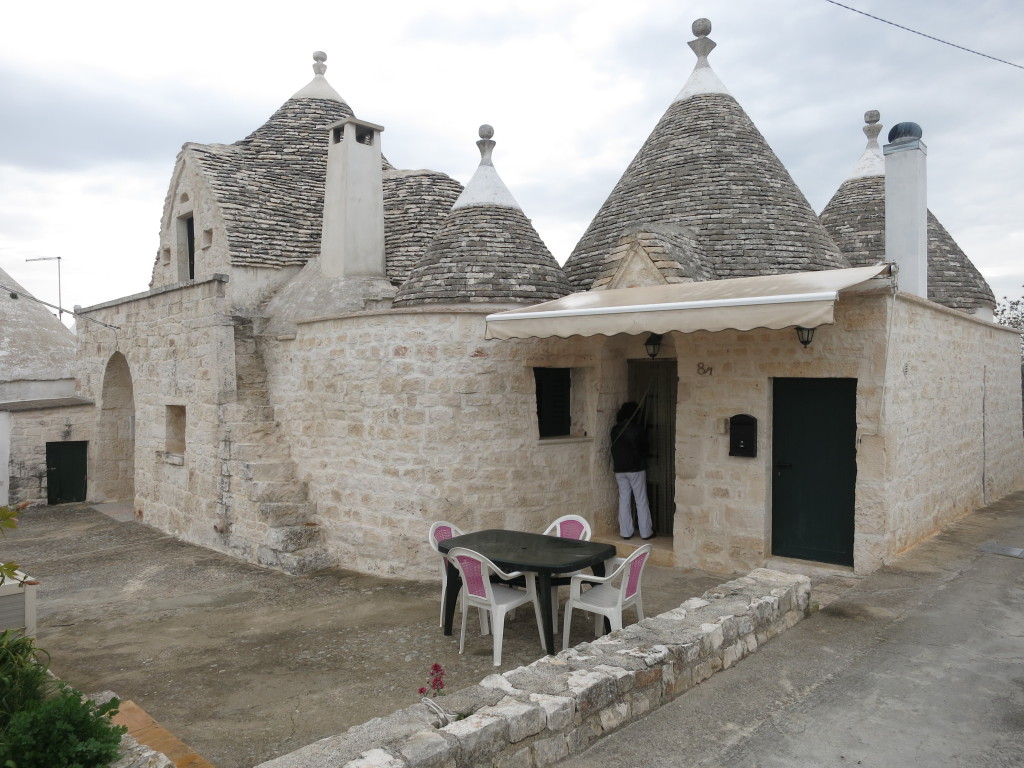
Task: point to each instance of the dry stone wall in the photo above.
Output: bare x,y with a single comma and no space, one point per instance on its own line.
559,706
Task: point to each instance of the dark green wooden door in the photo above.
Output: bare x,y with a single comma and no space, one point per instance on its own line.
652,383
66,471
814,456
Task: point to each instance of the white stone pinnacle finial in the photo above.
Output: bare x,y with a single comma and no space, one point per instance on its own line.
319,57
703,79
703,45
486,187
486,144
872,162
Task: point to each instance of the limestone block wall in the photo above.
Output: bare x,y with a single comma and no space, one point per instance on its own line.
723,503
179,348
29,431
938,434
400,418
559,706
951,419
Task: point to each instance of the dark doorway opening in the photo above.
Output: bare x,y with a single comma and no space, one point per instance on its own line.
652,384
814,473
66,471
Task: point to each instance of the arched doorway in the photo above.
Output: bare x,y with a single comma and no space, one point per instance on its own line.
113,477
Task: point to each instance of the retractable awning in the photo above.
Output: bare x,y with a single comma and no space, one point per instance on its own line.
742,303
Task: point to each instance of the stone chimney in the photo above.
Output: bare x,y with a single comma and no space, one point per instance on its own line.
906,207
352,242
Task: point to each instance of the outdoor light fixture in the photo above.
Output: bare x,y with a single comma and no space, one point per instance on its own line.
804,334
653,345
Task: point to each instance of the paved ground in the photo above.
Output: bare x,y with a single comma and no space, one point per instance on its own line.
245,664
920,664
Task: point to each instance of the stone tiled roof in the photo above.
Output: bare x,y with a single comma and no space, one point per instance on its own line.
415,206
486,250
270,185
484,253
707,167
675,251
855,217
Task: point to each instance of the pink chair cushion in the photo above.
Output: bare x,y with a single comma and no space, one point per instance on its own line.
635,569
442,533
473,573
570,529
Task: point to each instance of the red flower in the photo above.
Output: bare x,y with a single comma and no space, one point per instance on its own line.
422,691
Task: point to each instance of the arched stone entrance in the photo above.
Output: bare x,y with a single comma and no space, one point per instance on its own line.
113,477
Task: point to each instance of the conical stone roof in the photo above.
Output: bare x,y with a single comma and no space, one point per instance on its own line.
485,251
855,218
270,187
34,345
706,167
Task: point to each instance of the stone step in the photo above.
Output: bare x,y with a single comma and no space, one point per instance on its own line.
285,513
244,413
291,538
277,490
661,552
268,468
243,451
296,563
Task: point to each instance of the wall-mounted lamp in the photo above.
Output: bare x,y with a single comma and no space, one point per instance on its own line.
804,334
653,345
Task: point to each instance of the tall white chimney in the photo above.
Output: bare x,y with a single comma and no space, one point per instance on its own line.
352,241
906,207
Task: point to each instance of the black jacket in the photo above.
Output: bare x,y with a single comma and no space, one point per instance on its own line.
629,446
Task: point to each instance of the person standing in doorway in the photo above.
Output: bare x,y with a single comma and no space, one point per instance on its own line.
629,456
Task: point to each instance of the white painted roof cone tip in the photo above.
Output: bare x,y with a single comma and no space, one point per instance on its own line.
703,79
872,162
486,187
318,87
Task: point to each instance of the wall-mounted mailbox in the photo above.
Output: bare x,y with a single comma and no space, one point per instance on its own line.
742,435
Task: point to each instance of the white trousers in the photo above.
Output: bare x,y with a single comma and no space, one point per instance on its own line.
635,484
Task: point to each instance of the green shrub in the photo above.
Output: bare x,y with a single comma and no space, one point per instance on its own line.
24,676
62,731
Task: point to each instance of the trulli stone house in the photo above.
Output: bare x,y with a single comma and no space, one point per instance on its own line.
333,353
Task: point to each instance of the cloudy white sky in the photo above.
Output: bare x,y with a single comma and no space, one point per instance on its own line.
98,97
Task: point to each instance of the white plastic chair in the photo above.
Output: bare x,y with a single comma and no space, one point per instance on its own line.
496,599
442,531
570,527
605,599
566,527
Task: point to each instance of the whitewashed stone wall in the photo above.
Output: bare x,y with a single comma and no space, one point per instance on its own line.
952,424
29,432
400,418
179,347
923,447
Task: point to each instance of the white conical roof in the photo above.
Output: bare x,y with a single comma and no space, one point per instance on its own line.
34,344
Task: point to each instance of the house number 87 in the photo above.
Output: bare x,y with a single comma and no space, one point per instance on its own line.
704,370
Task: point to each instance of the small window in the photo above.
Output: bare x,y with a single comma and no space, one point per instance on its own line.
554,401
175,431
186,248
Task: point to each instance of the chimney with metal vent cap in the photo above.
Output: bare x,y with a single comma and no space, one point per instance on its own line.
906,207
352,241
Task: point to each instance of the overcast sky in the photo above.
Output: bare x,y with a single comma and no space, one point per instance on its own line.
98,97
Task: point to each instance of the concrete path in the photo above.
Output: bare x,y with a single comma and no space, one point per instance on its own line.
921,664
244,664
